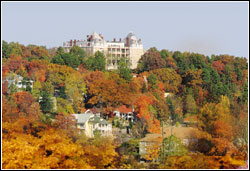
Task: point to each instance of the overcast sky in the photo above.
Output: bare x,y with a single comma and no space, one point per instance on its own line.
207,28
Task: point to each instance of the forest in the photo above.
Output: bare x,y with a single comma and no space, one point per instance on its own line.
37,135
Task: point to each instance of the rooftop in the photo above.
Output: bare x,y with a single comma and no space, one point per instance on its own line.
179,132
99,120
124,109
82,118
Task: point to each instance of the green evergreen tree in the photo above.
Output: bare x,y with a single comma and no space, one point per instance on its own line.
152,80
124,70
46,103
5,51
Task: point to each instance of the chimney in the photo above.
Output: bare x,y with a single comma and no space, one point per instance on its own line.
74,42
91,37
127,41
120,39
114,39
70,42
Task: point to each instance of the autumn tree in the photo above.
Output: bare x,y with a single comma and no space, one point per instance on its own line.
14,48
192,78
169,78
150,60
26,106
52,150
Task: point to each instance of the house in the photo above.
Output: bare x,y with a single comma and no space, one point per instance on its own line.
124,112
18,81
94,111
82,122
101,125
90,123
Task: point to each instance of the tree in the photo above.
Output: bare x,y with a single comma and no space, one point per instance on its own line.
46,102
101,149
152,80
173,147
98,62
192,78
58,60
78,52
190,105
15,48
60,51
132,147
124,70
169,78
64,106
181,62
165,54
26,106
171,62
219,66
150,60
197,60
52,149
153,150
5,50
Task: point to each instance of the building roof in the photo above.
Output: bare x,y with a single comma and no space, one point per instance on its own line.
95,110
96,36
98,120
132,36
179,132
124,109
82,118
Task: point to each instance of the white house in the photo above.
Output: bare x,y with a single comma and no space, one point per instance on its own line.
90,123
124,112
18,81
82,122
101,125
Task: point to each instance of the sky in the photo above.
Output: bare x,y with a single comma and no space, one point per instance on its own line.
201,27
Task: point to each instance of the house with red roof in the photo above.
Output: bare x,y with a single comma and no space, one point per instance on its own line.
124,112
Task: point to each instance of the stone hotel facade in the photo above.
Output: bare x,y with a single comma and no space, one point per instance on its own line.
130,47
